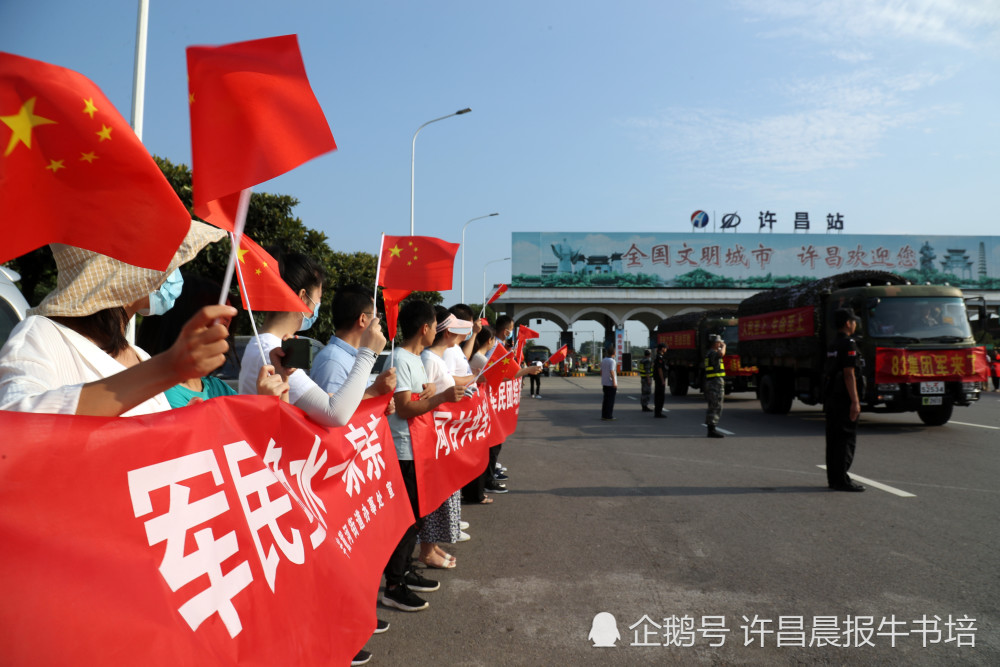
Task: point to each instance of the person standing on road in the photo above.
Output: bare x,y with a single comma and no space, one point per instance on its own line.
715,383
842,405
660,379
609,383
645,380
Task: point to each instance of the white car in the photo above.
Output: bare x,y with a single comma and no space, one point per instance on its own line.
13,307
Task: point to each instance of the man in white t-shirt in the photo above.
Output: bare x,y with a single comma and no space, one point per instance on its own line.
609,383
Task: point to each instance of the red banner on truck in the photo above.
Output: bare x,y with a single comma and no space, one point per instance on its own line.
733,367
901,365
678,340
791,323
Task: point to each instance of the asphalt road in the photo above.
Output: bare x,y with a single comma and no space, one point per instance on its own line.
651,522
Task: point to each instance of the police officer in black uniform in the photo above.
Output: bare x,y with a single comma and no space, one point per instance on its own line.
659,380
842,404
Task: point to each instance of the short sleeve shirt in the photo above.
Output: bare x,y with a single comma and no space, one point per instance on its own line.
298,382
410,376
211,387
454,359
332,365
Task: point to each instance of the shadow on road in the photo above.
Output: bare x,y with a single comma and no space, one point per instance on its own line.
616,491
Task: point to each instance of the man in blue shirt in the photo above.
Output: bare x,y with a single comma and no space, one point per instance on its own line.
353,311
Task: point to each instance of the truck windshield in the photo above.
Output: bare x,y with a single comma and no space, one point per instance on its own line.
920,319
730,334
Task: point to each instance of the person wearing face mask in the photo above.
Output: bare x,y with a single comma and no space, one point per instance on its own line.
305,277
71,355
158,332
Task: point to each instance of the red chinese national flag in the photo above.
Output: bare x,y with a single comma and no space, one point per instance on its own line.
524,334
559,355
500,367
261,281
417,263
501,290
253,117
72,171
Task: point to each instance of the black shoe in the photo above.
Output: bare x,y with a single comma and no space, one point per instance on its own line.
417,582
712,433
645,409
609,419
850,486
660,415
361,658
496,488
380,626
500,477
403,598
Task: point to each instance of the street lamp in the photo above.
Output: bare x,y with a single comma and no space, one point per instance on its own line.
413,156
492,261
463,248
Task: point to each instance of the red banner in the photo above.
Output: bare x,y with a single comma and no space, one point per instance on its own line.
450,448
731,363
505,401
791,323
678,340
232,532
894,365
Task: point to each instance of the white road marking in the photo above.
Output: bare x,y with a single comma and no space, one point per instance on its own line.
720,430
879,485
633,398
995,428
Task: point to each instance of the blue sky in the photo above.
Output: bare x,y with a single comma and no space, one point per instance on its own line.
592,116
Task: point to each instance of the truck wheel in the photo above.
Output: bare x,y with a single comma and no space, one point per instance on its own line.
935,415
774,400
678,382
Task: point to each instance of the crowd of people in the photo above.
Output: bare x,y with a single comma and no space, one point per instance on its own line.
71,355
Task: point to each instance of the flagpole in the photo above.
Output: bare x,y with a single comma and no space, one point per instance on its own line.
378,269
237,238
246,298
139,68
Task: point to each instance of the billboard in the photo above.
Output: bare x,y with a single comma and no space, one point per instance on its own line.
750,261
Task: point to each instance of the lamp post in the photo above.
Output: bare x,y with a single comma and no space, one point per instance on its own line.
492,261
413,156
463,248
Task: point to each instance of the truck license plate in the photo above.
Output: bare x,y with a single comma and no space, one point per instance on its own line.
932,388
932,400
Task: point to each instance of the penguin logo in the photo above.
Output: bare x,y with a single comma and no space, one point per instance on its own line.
604,630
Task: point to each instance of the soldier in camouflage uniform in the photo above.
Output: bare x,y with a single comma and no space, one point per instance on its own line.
646,380
715,383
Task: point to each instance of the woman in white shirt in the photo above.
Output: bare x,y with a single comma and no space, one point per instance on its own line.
71,356
305,277
443,524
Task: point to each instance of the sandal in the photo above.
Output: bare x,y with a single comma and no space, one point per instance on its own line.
443,554
438,564
485,501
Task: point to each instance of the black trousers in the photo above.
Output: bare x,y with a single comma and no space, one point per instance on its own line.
659,389
841,439
535,383
401,558
490,471
608,404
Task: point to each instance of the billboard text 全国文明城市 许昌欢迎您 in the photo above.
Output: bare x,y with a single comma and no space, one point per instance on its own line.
756,261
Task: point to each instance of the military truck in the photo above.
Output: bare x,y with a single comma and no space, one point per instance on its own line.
918,351
686,338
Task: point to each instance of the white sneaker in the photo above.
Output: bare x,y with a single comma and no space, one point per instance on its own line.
538,395
463,525
464,536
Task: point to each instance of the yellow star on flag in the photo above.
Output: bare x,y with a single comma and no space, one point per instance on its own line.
22,123
105,133
258,272
240,253
56,165
90,109
88,157
395,250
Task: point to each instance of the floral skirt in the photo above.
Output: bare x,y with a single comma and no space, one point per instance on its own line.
441,525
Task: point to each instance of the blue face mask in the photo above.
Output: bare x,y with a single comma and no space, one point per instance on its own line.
309,320
164,298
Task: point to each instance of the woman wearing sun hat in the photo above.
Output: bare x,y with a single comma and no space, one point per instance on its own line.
71,356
